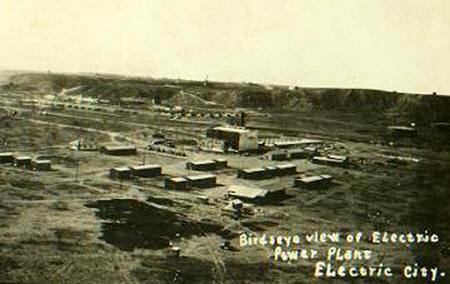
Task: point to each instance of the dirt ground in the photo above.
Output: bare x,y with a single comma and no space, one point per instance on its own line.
75,225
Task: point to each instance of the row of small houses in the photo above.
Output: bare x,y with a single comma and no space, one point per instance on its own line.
294,154
177,183
259,195
146,171
25,162
267,172
209,165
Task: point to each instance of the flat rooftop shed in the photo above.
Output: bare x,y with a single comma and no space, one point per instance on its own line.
253,174
286,169
41,165
201,181
120,150
271,171
298,154
120,173
6,158
279,156
221,163
313,182
331,160
146,170
201,165
22,162
177,183
402,131
247,193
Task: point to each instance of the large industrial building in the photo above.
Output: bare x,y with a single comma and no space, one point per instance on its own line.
234,138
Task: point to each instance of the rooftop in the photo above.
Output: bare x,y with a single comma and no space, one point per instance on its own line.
121,169
231,129
246,192
42,161
119,147
404,128
310,179
198,177
337,157
145,167
202,162
23,158
286,166
253,170
178,179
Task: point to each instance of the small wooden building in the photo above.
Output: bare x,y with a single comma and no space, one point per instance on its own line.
146,170
271,171
221,163
120,150
402,131
253,174
201,181
201,165
286,169
120,173
298,154
246,193
313,182
6,158
22,162
279,156
41,165
332,160
177,183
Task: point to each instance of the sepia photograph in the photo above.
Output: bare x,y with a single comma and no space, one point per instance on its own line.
224,141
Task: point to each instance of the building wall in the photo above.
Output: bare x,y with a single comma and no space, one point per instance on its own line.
248,141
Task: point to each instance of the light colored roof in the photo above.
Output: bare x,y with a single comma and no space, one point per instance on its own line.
7,154
253,170
42,161
406,128
271,168
145,167
202,162
337,157
246,192
220,160
231,129
286,166
198,177
297,142
326,176
121,169
297,151
326,159
178,179
23,158
310,179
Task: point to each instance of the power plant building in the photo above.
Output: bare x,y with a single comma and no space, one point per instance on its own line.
234,138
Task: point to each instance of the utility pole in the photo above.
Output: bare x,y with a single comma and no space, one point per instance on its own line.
77,172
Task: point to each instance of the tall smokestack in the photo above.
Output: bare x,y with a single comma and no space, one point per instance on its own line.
243,116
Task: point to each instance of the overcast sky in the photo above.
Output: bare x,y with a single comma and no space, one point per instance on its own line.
394,45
